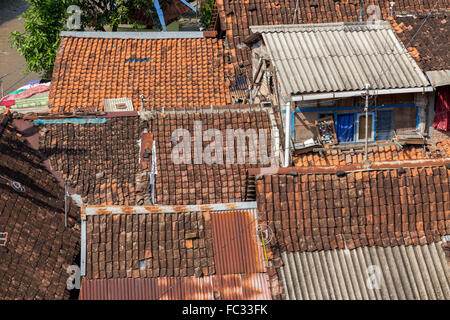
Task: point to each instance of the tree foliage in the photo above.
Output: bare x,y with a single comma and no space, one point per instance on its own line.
207,12
39,43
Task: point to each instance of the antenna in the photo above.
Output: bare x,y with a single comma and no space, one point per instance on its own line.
66,203
366,109
142,102
391,5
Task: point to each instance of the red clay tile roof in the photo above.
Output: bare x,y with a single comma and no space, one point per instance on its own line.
203,183
182,244
437,147
428,47
237,16
251,286
101,160
322,211
313,211
39,248
171,73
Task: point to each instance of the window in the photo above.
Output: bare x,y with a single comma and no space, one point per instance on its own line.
361,123
384,125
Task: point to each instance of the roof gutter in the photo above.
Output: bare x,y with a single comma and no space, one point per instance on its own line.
346,94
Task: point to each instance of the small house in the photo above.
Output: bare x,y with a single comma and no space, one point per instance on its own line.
325,74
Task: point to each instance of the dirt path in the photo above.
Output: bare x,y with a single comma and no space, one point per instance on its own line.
10,61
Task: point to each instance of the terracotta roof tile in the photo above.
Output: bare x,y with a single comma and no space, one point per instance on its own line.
437,147
39,248
430,53
101,160
183,244
203,183
170,73
321,211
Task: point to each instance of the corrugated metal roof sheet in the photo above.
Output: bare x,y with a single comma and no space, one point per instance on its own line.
439,78
333,57
407,272
235,242
225,287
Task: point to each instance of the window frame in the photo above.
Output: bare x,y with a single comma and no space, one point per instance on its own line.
373,133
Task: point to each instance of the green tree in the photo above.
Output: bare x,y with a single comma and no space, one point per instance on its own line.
39,43
207,12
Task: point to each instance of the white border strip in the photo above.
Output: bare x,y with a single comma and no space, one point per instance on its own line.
83,248
319,96
97,210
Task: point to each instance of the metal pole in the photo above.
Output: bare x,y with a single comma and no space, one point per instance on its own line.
287,135
65,203
153,172
366,109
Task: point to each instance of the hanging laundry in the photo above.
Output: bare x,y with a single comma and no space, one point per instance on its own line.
442,114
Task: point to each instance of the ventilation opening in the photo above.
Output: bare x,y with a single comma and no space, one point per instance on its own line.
250,192
3,239
142,264
121,106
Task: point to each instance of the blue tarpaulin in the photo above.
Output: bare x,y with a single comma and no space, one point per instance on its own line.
72,121
189,5
345,127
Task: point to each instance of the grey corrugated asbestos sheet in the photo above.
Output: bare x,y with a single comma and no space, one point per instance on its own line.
439,78
333,57
407,273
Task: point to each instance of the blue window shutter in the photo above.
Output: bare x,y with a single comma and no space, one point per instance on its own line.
345,127
384,125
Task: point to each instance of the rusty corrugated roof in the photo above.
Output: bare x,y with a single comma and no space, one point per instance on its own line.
219,287
235,242
173,252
